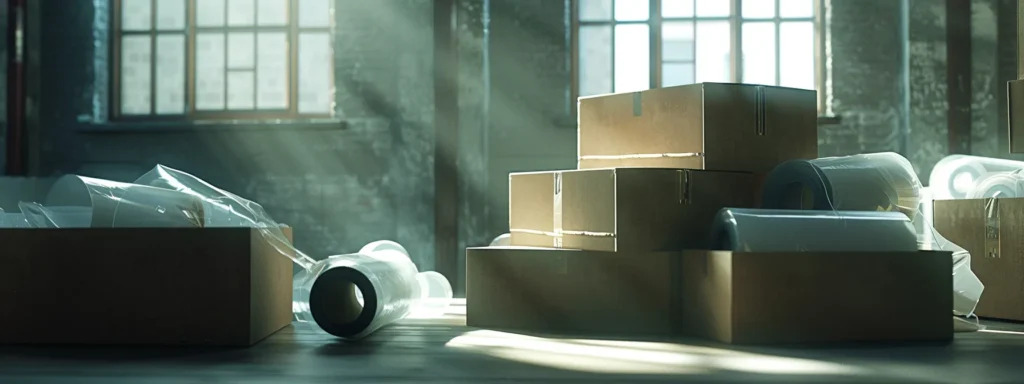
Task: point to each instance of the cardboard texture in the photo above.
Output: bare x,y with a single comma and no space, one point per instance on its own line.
622,209
727,127
796,298
167,286
780,298
1015,99
574,291
991,230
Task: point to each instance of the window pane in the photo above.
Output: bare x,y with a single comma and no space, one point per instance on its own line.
136,57
713,44
314,13
210,71
315,73
210,13
797,54
595,10
170,84
632,57
272,70
758,9
241,50
241,12
136,15
632,10
673,74
272,12
677,8
677,41
595,60
759,53
241,94
713,8
796,8
170,14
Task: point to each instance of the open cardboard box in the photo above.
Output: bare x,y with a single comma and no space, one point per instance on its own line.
741,298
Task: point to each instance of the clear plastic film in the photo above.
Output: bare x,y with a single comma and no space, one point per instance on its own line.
78,201
762,230
353,295
871,182
13,220
957,176
503,240
225,209
868,182
999,185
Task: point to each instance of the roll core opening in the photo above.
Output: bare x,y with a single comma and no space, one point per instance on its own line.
335,305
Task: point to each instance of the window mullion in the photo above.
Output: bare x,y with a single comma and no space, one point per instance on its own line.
736,46
655,44
293,57
152,57
190,58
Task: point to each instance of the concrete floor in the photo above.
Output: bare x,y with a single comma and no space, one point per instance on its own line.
446,351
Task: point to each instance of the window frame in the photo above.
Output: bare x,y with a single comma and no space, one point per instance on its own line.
190,31
736,22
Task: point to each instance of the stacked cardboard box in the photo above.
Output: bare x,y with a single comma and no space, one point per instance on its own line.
990,230
618,246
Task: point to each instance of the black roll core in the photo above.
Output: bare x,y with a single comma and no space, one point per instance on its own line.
333,303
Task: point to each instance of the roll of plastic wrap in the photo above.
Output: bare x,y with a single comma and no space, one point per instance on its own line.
999,185
115,204
956,176
351,296
870,182
502,241
759,230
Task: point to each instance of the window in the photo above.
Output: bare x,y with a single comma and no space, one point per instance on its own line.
217,59
632,45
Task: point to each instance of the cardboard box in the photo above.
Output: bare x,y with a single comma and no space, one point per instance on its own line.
1015,99
726,127
574,291
742,298
991,230
166,286
620,209
802,297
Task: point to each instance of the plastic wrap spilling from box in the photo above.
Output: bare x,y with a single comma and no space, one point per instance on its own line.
870,182
166,197
353,295
503,240
965,177
761,230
